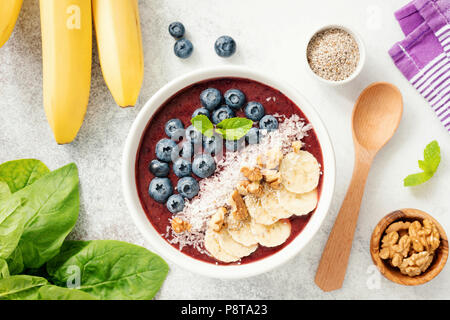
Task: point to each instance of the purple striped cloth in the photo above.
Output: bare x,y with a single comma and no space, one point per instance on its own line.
424,55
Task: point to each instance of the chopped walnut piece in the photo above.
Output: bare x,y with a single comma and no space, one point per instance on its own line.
416,264
242,187
179,225
217,219
253,174
240,211
256,189
273,158
296,146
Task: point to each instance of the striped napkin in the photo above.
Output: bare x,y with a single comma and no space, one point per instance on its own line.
424,55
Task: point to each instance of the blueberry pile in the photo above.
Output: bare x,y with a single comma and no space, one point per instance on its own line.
189,152
225,46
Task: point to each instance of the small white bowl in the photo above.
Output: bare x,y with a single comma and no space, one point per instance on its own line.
159,244
362,55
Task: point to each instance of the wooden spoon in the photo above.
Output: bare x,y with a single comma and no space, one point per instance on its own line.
375,118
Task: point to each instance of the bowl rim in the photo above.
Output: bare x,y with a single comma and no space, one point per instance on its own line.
160,245
361,47
396,276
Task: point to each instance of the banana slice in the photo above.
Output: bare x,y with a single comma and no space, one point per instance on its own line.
213,247
243,235
300,172
232,247
271,203
258,212
298,203
273,235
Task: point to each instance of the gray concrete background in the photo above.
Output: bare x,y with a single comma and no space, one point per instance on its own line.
270,37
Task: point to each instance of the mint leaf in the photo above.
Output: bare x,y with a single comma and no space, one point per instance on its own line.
432,156
429,165
203,124
234,128
416,179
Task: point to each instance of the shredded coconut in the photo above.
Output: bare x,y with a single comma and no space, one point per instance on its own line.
215,191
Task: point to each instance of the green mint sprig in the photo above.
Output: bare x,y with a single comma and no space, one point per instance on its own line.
429,165
230,129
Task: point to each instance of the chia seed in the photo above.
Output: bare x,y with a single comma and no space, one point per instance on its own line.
333,54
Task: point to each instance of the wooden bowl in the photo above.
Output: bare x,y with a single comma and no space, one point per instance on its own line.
393,273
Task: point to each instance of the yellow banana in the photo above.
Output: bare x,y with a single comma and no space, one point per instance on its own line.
67,54
118,32
9,11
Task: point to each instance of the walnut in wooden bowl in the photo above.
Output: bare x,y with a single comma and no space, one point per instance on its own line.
409,247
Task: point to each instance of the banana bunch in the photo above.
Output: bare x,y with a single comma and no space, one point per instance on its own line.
66,27
9,11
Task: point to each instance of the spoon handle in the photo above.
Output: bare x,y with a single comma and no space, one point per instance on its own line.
333,264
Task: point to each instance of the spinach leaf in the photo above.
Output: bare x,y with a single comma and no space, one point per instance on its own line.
109,269
50,212
4,270
51,292
24,287
5,193
11,225
21,173
15,262
21,287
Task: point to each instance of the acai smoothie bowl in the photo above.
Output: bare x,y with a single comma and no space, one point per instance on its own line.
227,172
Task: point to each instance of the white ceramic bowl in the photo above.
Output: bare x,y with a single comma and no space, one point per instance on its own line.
362,55
165,249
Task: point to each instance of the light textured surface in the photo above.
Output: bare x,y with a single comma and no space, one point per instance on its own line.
271,37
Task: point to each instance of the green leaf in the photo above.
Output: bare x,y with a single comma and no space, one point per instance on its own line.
15,262
416,179
5,193
20,173
49,214
432,156
51,292
429,165
11,225
4,270
234,128
21,287
25,287
109,269
203,124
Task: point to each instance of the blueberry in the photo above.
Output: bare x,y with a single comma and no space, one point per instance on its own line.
202,111
160,189
186,151
234,98
252,136
173,126
222,113
188,187
268,122
193,135
225,46
203,165
210,98
183,48
175,203
165,148
159,168
213,145
176,30
234,145
254,111
182,168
